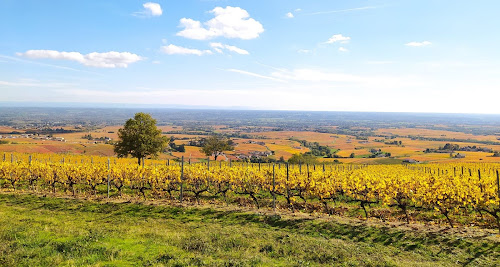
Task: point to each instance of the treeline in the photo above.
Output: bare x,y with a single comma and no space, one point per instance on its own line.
316,149
485,142
52,131
91,138
448,148
174,147
389,142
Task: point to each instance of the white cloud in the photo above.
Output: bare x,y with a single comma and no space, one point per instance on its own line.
289,15
338,38
237,50
417,44
156,62
179,50
255,75
298,9
218,48
153,8
229,22
150,10
110,59
343,49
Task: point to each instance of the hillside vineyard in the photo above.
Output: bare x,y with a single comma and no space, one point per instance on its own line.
444,189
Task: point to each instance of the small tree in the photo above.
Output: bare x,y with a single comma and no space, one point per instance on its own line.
140,138
215,145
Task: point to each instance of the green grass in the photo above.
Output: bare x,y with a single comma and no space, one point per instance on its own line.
44,231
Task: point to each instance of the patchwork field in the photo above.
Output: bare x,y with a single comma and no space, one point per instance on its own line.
281,143
322,138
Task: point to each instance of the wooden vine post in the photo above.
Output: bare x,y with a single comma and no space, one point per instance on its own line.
498,184
274,188
182,179
109,174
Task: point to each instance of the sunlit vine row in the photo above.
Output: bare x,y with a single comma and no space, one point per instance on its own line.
445,188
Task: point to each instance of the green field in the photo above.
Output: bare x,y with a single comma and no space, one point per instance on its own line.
46,231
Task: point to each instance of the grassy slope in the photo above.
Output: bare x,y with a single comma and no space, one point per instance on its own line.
49,231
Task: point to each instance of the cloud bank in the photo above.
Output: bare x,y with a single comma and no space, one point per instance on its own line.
110,59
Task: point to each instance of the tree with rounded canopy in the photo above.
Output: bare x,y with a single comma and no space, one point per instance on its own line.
140,138
215,145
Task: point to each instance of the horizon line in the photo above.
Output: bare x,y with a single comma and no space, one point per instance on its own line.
91,105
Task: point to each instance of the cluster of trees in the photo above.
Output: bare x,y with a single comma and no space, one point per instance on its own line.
141,139
176,148
395,142
316,149
91,138
449,148
376,153
389,142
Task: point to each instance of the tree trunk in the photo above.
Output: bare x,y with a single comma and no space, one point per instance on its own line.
139,161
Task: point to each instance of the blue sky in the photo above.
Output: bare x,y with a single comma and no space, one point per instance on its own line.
371,55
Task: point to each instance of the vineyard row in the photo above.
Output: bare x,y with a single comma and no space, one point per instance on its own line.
446,189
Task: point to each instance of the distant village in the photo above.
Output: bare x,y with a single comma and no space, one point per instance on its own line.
33,136
50,137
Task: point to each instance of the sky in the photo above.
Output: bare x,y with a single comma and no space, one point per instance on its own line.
343,55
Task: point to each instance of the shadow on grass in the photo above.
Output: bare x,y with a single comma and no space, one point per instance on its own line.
405,240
